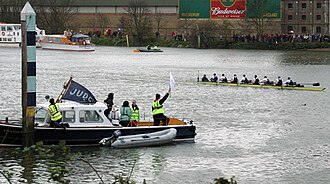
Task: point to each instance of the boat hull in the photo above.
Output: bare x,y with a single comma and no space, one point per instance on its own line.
67,47
265,86
12,134
145,50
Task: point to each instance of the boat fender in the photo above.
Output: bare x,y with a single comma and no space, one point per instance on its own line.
3,33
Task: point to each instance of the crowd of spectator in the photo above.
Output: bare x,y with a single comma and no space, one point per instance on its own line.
279,38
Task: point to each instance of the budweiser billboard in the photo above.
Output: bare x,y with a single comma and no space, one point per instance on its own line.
228,9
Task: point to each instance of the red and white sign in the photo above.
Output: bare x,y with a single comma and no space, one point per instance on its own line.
228,9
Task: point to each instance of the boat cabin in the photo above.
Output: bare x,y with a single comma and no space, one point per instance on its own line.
78,39
11,34
75,115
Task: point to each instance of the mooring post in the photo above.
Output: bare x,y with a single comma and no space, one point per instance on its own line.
28,27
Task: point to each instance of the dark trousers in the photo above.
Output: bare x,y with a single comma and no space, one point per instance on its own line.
55,123
107,112
124,123
160,117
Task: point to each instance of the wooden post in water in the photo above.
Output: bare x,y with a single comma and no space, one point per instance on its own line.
28,27
127,41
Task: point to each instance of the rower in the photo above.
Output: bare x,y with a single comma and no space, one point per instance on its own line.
214,78
265,81
223,78
255,80
244,80
289,82
279,81
234,79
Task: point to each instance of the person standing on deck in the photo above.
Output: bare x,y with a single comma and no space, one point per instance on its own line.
109,102
135,113
55,113
125,114
158,109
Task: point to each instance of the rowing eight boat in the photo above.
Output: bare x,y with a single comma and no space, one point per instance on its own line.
265,86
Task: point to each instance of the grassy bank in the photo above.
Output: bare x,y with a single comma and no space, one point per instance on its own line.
212,44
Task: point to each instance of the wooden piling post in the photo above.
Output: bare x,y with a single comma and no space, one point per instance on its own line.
28,27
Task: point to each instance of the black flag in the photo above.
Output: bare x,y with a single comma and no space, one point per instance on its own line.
79,93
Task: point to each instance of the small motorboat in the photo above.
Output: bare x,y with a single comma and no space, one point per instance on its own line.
138,140
148,49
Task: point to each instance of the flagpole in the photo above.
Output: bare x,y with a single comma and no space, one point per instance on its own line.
65,88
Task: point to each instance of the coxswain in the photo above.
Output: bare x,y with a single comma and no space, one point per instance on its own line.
205,79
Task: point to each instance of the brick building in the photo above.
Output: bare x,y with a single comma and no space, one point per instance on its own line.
305,17
299,16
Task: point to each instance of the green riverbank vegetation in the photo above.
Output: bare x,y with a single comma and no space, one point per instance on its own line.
57,160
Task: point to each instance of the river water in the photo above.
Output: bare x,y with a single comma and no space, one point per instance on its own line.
257,135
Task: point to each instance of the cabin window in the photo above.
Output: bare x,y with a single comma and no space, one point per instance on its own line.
90,116
41,115
68,116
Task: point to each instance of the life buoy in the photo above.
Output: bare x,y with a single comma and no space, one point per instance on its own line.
3,33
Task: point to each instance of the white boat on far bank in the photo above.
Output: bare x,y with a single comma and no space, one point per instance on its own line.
77,42
10,35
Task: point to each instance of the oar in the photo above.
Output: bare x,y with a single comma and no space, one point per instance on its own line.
313,84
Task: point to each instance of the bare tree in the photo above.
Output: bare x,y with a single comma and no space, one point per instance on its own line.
102,21
137,22
54,15
10,10
207,30
256,19
225,30
158,20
